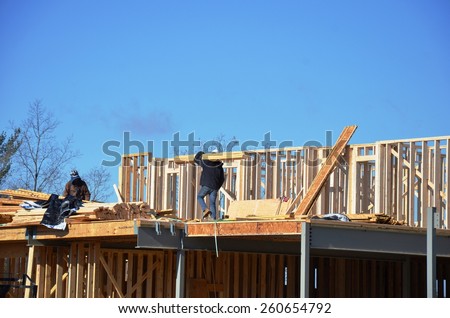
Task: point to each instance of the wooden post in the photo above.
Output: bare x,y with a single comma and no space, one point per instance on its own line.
412,184
447,185
30,263
399,181
424,189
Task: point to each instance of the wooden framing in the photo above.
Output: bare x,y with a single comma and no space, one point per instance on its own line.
87,270
400,178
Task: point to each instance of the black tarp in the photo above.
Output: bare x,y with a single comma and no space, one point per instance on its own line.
59,209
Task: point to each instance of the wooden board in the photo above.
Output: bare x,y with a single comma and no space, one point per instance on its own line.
212,156
241,228
255,208
321,177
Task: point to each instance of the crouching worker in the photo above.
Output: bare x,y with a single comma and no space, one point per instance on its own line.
77,187
211,180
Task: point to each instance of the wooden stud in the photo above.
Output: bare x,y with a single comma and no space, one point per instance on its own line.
30,266
424,188
110,275
447,188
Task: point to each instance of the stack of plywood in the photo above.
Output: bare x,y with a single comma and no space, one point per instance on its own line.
259,209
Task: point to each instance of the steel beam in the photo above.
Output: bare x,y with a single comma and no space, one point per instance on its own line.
431,252
305,260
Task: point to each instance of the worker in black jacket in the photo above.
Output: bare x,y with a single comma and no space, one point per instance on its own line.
211,180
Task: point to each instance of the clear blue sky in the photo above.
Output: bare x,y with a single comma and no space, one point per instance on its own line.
239,68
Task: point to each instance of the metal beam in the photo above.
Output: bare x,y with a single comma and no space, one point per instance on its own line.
330,235
431,252
305,260
160,235
181,278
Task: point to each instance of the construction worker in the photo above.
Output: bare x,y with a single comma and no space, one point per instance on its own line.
211,180
77,187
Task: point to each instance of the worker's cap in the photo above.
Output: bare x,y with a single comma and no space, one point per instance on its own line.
74,173
213,149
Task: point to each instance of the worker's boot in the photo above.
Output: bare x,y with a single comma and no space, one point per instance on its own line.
206,213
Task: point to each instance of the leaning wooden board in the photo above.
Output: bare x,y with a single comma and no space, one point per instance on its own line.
321,177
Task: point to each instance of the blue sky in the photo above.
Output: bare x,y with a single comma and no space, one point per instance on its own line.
243,68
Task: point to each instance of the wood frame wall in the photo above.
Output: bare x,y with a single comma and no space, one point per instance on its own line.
86,270
400,178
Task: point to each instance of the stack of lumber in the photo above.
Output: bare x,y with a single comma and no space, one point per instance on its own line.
22,194
8,206
379,218
125,211
91,211
10,201
11,213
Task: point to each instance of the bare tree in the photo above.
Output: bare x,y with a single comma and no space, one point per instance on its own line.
8,147
41,159
221,142
98,180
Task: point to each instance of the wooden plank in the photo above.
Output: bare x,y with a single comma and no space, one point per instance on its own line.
130,274
254,278
280,276
399,183
235,155
30,266
273,278
110,228
437,177
12,234
291,279
48,271
245,275
160,275
294,202
72,270
60,272
139,276
110,261
263,275
120,260
236,275
170,274
150,281
321,177
80,271
244,228
110,275
424,190
412,184
379,168
243,208
447,188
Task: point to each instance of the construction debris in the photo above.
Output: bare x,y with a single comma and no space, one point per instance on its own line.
379,218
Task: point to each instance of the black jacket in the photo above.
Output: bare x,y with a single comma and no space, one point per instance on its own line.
212,172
